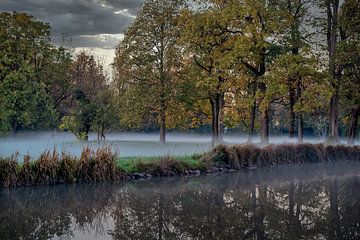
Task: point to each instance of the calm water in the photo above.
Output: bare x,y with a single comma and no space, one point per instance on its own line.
311,201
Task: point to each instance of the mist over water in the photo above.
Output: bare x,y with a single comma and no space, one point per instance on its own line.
125,144
308,201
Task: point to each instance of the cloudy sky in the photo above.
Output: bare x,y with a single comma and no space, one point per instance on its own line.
93,25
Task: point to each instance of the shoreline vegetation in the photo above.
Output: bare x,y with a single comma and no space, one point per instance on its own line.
104,165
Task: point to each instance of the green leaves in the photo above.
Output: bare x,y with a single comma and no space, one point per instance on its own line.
24,53
147,67
92,100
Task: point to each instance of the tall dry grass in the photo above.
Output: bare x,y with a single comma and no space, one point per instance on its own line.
54,168
245,156
100,165
8,171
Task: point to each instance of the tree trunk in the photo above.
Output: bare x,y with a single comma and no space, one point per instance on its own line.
252,122
217,107
221,102
334,119
214,136
292,101
265,121
300,116
14,127
162,111
162,126
300,129
332,36
102,133
355,113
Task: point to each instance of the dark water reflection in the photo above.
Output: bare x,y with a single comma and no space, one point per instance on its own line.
288,202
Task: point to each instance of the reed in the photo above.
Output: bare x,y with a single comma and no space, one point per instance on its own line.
245,156
53,168
8,171
103,165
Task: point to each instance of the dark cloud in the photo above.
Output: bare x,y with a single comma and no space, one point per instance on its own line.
80,17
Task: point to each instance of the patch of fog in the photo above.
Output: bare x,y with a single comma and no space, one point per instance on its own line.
125,144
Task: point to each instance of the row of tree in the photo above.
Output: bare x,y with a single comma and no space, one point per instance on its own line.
247,63
253,65
42,86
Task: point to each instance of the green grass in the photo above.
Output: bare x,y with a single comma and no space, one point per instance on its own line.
129,164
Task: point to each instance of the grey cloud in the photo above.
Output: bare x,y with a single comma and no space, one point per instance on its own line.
79,17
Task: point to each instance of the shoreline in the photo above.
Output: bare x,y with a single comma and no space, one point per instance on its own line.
102,165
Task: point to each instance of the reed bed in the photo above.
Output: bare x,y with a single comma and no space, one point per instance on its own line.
103,165
252,156
55,168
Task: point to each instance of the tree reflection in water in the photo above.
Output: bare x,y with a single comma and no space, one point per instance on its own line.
288,202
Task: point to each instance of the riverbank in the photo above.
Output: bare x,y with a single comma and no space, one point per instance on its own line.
104,165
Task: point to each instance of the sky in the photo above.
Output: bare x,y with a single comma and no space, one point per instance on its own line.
95,26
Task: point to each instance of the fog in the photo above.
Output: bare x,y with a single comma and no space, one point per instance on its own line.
125,144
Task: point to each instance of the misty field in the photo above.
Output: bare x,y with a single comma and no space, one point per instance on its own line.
125,144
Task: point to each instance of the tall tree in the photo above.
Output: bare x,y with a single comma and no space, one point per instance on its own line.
335,71
296,38
56,75
91,106
152,54
349,57
258,23
24,48
207,41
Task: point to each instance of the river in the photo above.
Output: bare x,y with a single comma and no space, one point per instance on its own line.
309,201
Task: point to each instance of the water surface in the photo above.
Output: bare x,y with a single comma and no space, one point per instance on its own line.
310,201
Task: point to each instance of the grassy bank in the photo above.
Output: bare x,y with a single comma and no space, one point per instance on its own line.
104,165
145,164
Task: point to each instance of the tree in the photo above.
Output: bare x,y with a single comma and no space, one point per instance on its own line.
259,24
207,41
106,115
150,50
335,70
298,71
55,74
349,57
296,38
24,47
91,102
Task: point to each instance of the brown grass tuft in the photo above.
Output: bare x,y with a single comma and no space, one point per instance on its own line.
51,168
8,171
244,156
